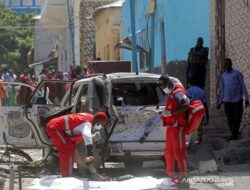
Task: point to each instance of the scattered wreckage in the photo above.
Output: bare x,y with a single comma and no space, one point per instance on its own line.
130,100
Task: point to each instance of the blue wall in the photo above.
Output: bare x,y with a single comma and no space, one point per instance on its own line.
22,7
185,20
28,10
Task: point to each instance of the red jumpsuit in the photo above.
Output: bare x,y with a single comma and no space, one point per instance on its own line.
175,149
57,128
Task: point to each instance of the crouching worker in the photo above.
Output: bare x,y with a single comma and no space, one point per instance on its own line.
173,118
62,130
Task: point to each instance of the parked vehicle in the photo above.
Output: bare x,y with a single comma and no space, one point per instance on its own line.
130,100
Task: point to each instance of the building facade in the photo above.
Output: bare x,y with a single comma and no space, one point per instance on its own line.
73,29
44,44
107,21
58,17
180,22
87,28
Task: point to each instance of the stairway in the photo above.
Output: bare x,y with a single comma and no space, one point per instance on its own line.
230,156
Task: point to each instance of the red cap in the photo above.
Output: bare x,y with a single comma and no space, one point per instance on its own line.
101,115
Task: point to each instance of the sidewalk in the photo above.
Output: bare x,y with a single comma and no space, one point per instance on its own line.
232,156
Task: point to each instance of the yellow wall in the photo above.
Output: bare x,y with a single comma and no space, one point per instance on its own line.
107,36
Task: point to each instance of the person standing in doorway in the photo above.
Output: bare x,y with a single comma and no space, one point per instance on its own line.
232,91
197,61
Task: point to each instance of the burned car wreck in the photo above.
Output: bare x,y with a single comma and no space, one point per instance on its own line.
130,100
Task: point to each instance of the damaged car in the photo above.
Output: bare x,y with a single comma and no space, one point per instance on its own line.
133,134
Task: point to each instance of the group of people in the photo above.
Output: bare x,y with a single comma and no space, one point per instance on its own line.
64,129
11,95
174,118
232,94
232,86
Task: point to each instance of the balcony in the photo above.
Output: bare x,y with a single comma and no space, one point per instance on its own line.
55,15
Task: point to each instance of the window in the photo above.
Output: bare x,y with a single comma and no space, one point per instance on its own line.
28,3
82,102
15,3
135,94
73,95
15,94
51,92
99,91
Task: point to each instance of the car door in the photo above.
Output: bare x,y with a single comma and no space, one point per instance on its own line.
15,129
22,119
136,102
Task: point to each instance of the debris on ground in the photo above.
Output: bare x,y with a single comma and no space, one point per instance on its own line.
70,183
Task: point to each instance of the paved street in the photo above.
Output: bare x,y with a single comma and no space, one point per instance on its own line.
229,175
212,181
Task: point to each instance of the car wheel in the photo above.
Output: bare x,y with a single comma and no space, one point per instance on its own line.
133,164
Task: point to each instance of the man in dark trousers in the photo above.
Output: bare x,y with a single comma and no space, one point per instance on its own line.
232,90
197,61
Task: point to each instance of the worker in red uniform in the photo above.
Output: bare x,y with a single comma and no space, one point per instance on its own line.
173,118
64,129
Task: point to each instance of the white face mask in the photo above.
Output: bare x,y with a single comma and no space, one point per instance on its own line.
98,127
166,90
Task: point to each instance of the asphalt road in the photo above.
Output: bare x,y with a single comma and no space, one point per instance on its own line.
210,181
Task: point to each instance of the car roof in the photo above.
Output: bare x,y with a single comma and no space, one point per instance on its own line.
125,75
132,75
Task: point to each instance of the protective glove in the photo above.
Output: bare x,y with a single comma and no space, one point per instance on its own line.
246,103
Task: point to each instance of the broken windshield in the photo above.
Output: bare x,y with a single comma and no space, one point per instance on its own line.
135,94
